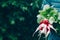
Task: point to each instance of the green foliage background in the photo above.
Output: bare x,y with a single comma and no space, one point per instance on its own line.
18,19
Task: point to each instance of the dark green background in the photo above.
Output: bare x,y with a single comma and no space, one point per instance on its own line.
18,19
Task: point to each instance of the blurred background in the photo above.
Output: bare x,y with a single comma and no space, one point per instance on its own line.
18,19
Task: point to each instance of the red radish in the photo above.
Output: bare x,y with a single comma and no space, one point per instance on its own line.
44,27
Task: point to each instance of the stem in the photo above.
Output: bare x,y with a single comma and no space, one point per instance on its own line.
46,38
